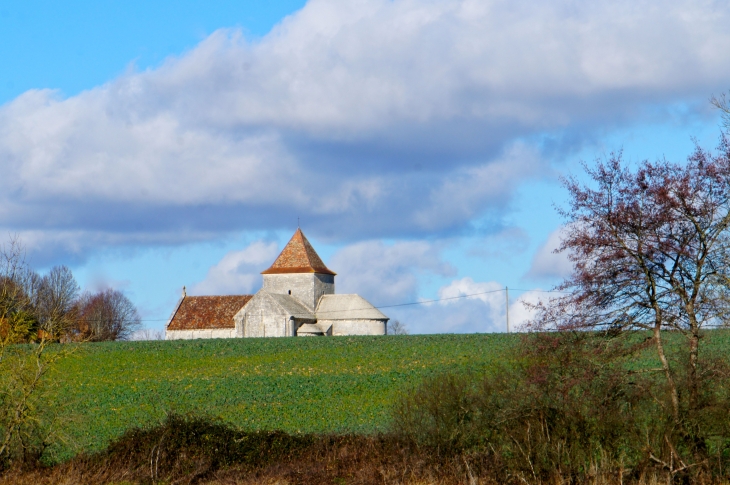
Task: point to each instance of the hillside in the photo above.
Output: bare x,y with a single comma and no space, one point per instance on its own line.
342,384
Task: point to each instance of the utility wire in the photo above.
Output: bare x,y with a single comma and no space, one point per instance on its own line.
420,302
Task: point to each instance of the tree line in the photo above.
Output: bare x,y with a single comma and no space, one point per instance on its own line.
52,307
42,317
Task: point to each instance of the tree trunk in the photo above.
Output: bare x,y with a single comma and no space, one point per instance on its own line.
667,372
692,377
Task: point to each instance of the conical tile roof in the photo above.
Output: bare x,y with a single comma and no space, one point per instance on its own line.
298,256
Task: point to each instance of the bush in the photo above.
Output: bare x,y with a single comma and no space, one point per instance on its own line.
192,447
566,411
29,413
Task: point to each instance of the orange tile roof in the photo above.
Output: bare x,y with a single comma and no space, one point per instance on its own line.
203,312
298,257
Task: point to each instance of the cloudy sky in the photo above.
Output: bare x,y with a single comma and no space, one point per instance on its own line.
151,145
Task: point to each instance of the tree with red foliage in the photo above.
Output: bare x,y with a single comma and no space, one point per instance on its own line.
650,250
106,315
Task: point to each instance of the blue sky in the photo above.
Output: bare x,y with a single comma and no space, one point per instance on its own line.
151,145
76,45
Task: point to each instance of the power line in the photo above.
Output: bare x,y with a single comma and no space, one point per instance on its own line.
542,291
420,302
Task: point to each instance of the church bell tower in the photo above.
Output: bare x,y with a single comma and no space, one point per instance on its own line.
300,272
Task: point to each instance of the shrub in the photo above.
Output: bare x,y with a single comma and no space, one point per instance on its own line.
566,411
192,447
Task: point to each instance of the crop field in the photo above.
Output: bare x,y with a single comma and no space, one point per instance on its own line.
339,384
299,385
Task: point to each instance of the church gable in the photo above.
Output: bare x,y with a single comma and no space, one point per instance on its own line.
272,315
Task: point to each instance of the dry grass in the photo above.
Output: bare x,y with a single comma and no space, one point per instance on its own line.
352,460
191,450
345,460
235,476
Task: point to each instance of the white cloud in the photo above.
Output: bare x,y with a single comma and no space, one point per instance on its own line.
521,311
239,272
548,265
387,273
468,190
468,306
371,118
490,292
382,273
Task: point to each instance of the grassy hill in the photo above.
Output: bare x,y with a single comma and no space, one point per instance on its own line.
340,384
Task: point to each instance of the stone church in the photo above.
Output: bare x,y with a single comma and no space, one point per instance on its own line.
297,299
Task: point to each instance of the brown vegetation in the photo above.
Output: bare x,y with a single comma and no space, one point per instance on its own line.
196,451
191,450
106,315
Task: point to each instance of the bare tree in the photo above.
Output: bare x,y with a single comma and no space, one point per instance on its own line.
649,248
107,315
148,334
722,103
396,327
55,303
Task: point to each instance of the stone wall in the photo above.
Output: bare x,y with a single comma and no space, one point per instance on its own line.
262,317
204,333
356,327
305,287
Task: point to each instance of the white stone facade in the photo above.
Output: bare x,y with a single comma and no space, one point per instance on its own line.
272,315
356,327
308,288
350,315
282,314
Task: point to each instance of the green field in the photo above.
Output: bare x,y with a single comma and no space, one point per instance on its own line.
340,384
300,385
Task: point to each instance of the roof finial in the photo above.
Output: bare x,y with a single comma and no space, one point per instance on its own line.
297,222
184,292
